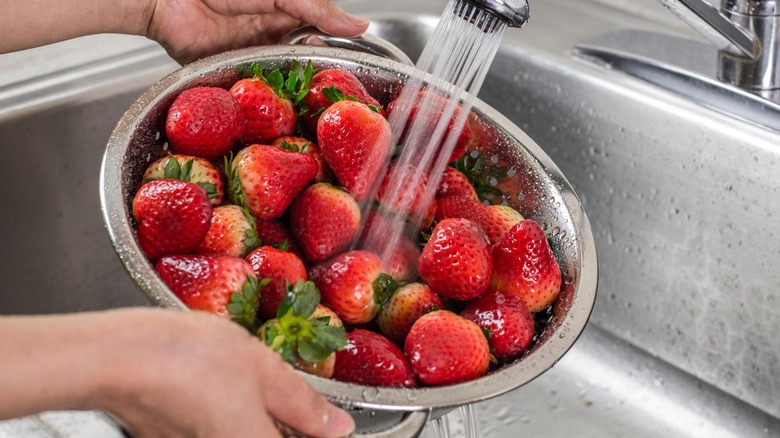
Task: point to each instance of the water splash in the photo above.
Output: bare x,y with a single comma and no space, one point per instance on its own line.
470,423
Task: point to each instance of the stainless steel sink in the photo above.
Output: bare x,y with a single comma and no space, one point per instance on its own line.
683,201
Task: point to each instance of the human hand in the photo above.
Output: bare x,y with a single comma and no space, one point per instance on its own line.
191,29
176,374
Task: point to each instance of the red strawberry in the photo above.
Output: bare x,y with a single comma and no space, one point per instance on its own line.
524,265
402,192
406,306
267,106
316,101
354,284
456,262
325,220
402,263
455,183
232,232
192,169
173,217
266,179
274,232
444,348
508,320
308,147
495,220
435,105
282,268
204,121
354,141
219,284
372,360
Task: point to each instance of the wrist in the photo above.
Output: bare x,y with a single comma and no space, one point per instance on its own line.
129,17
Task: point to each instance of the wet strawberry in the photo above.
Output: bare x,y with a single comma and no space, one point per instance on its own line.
354,141
444,348
189,168
455,183
316,101
494,220
457,262
232,232
507,318
266,179
173,217
218,284
325,220
371,359
434,107
204,122
524,265
267,103
307,147
401,192
274,232
302,339
354,284
402,262
406,306
281,268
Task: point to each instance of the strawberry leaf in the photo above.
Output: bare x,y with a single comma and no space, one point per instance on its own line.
243,304
186,172
235,192
333,94
172,169
284,245
480,174
210,189
307,297
312,351
374,108
384,286
289,147
276,81
330,337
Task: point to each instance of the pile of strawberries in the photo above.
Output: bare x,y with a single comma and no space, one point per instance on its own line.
255,214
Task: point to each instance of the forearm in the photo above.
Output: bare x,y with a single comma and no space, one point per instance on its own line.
30,23
52,362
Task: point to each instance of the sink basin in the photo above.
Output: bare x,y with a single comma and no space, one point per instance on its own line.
682,199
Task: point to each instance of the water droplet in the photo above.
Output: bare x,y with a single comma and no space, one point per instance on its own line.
370,394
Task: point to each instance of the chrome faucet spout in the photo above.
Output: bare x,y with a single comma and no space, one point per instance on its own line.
514,12
747,33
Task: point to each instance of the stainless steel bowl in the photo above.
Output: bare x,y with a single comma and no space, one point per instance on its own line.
540,192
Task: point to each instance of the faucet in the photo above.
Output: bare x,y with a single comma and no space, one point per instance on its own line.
747,34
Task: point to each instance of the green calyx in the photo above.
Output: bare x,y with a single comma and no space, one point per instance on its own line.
294,334
234,190
384,287
294,147
334,95
183,172
251,239
243,304
295,86
480,173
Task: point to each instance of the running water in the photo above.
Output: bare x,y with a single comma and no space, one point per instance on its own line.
457,57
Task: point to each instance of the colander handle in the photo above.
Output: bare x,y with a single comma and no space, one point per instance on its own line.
366,43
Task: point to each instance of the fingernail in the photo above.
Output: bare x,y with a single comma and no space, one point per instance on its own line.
355,20
340,423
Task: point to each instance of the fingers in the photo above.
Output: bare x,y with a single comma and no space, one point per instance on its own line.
325,15
292,401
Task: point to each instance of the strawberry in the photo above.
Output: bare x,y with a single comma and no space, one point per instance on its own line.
445,348
323,311
173,217
266,179
507,318
524,265
454,182
192,169
406,306
218,284
402,262
371,359
402,193
301,338
232,232
204,122
316,101
268,104
274,232
354,141
308,147
494,220
456,262
354,284
282,268
325,220
425,122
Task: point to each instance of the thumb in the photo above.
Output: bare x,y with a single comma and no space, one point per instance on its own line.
325,15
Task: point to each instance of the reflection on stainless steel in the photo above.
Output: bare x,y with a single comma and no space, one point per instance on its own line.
747,33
